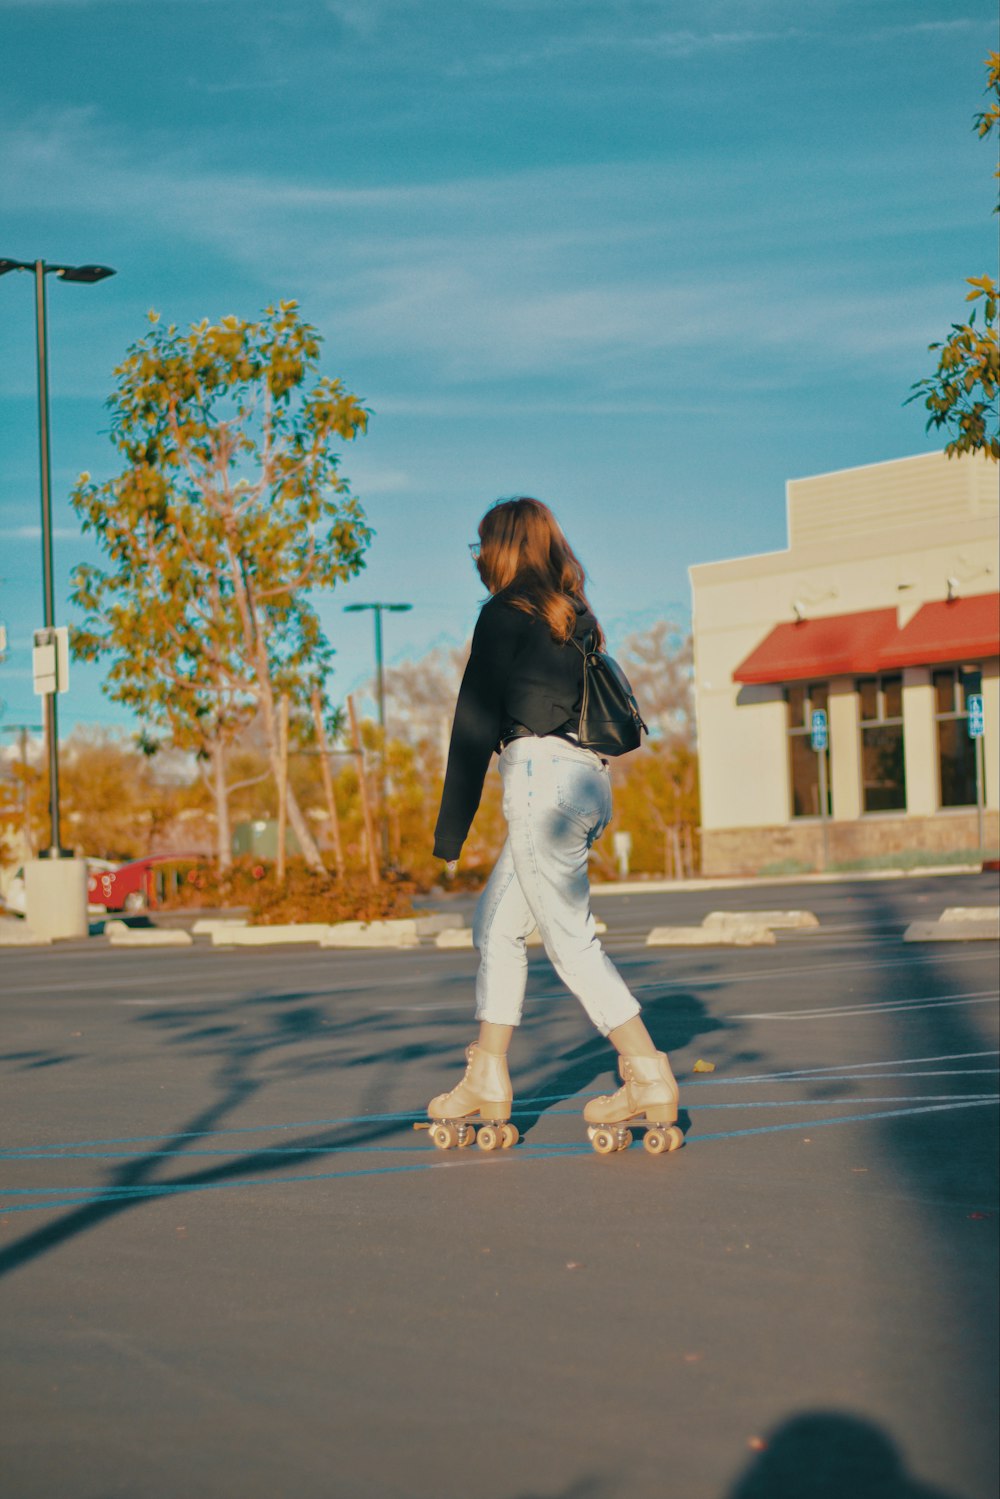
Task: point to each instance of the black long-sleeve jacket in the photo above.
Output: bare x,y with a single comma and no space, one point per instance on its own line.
517,674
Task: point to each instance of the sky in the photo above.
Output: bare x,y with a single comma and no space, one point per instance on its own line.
643,259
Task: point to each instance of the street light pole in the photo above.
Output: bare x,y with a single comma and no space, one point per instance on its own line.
86,273
377,610
51,710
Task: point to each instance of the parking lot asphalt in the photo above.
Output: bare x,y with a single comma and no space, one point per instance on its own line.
231,1268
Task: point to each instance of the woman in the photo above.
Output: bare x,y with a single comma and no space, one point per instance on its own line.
521,695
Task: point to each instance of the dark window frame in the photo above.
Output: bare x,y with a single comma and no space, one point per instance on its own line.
877,728
814,695
965,679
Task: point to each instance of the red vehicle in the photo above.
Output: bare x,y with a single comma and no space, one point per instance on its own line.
143,884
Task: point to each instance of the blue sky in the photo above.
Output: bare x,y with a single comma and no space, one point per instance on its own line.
644,259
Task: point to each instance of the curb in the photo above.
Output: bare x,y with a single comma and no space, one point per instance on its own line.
740,934
269,936
405,932
18,935
733,929
786,921
958,924
755,882
401,933
455,938
120,935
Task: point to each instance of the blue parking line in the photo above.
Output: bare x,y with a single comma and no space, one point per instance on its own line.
68,1153
77,1198
803,1074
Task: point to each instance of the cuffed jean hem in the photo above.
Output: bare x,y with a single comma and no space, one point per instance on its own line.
557,802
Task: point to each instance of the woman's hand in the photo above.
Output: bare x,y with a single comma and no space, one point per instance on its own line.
450,868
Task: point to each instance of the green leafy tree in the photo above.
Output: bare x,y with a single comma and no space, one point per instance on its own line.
961,395
656,789
228,512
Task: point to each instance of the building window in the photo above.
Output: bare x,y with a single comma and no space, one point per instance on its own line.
803,759
883,766
953,687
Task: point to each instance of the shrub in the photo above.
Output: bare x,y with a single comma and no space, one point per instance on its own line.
305,895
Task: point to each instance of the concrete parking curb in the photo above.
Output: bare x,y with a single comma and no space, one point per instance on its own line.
371,934
351,934
16,934
269,936
733,929
760,882
739,934
774,920
958,924
121,935
453,938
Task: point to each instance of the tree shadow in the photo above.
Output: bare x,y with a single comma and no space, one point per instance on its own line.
674,1023
829,1455
583,1488
947,1161
256,1042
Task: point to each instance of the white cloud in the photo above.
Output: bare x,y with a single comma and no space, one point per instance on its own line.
582,270
367,481
34,533
663,44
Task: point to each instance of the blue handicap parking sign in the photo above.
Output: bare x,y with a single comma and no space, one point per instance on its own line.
819,730
974,707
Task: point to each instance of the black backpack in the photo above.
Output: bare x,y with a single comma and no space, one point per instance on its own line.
610,721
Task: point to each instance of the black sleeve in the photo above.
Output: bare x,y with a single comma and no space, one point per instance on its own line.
478,724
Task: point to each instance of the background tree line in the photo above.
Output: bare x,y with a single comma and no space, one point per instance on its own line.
124,798
225,515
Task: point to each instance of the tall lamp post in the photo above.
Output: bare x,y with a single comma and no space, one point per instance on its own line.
40,269
378,610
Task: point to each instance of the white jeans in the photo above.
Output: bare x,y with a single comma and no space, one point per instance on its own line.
557,802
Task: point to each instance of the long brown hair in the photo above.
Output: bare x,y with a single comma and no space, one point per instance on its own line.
522,547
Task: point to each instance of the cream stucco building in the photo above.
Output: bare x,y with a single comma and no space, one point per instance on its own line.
883,614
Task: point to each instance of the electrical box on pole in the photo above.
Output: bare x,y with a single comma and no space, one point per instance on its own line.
50,660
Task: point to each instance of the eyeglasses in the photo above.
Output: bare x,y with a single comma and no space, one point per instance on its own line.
475,547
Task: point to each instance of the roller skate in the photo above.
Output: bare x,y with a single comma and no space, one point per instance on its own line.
485,1092
648,1100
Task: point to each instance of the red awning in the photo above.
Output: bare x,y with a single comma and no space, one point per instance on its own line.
841,645
948,630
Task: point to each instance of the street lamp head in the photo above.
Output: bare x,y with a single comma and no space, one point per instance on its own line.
64,272
389,608
82,272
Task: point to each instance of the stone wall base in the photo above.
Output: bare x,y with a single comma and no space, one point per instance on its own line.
799,845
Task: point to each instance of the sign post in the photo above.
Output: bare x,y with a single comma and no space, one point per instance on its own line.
819,735
974,708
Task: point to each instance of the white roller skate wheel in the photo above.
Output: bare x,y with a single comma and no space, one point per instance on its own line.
603,1141
488,1137
624,1140
509,1136
444,1136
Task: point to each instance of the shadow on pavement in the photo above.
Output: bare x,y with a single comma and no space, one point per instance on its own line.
266,1039
585,1488
826,1455
947,1161
591,1065
256,1042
